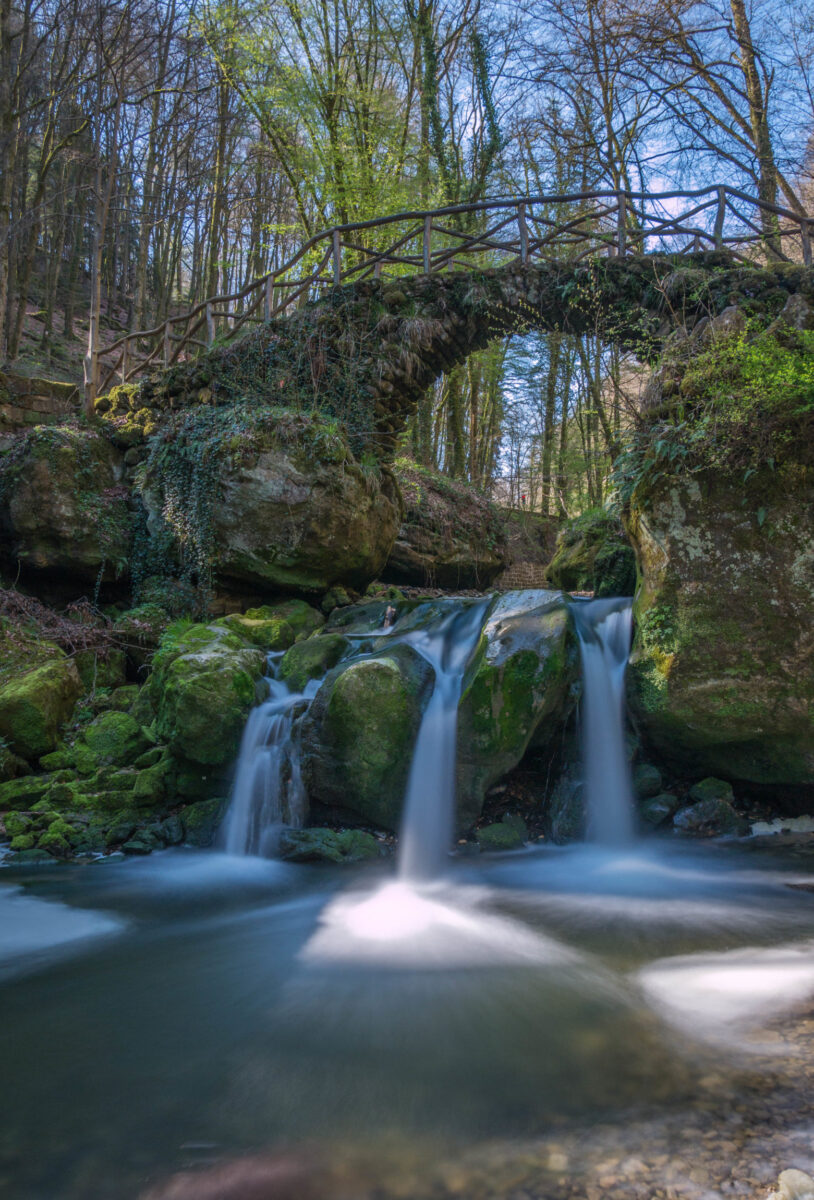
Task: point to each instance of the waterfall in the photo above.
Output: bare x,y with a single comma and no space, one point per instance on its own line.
604,631
268,790
429,809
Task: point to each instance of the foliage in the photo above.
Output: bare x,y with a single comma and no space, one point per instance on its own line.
748,404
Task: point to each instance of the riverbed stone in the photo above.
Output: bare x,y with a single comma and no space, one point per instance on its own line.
657,810
359,734
713,817
518,691
329,845
711,789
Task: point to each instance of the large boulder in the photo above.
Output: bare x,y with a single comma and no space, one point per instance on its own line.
721,678
359,734
63,508
518,691
35,704
593,554
451,535
277,503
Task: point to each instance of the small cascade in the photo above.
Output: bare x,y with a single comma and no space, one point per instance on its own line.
268,791
604,629
429,808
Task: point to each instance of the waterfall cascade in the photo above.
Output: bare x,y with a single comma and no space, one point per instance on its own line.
268,791
429,808
604,630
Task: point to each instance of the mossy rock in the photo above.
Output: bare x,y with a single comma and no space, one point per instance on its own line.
593,555
359,733
201,821
101,671
202,686
712,818
518,691
65,511
646,781
34,707
721,676
498,837
311,659
115,738
277,626
329,845
657,810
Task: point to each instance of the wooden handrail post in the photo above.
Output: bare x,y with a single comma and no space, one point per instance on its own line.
268,303
524,232
337,258
427,245
210,325
719,219
124,359
167,342
621,223
805,237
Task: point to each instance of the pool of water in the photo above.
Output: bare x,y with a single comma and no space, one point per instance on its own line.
191,1008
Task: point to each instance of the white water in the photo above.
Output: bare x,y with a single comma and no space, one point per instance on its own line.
268,791
604,631
429,807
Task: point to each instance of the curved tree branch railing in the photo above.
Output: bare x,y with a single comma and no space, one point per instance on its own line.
605,223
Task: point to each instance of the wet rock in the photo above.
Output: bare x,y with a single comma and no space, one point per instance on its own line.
115,738
647,781
64,508
711,817
35,705
794,1185
451,536
201,821
328,845
358,736
518,691
567,814
657,810
275,627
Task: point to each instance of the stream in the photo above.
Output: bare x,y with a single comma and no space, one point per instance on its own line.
526,1024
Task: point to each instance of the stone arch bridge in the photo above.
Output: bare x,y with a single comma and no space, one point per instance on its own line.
367,345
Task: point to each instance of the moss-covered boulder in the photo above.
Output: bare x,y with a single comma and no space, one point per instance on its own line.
311,659
518,691
451,535
202,686
275,627
285,507
721,679
593,554
359,734
115,739
139,631
63,508
35,705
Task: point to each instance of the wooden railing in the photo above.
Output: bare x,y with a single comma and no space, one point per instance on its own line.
575,226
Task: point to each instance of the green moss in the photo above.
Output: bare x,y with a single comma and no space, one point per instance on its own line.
329,845
34,706
499,837
201,821
24,793
593,555
114,738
